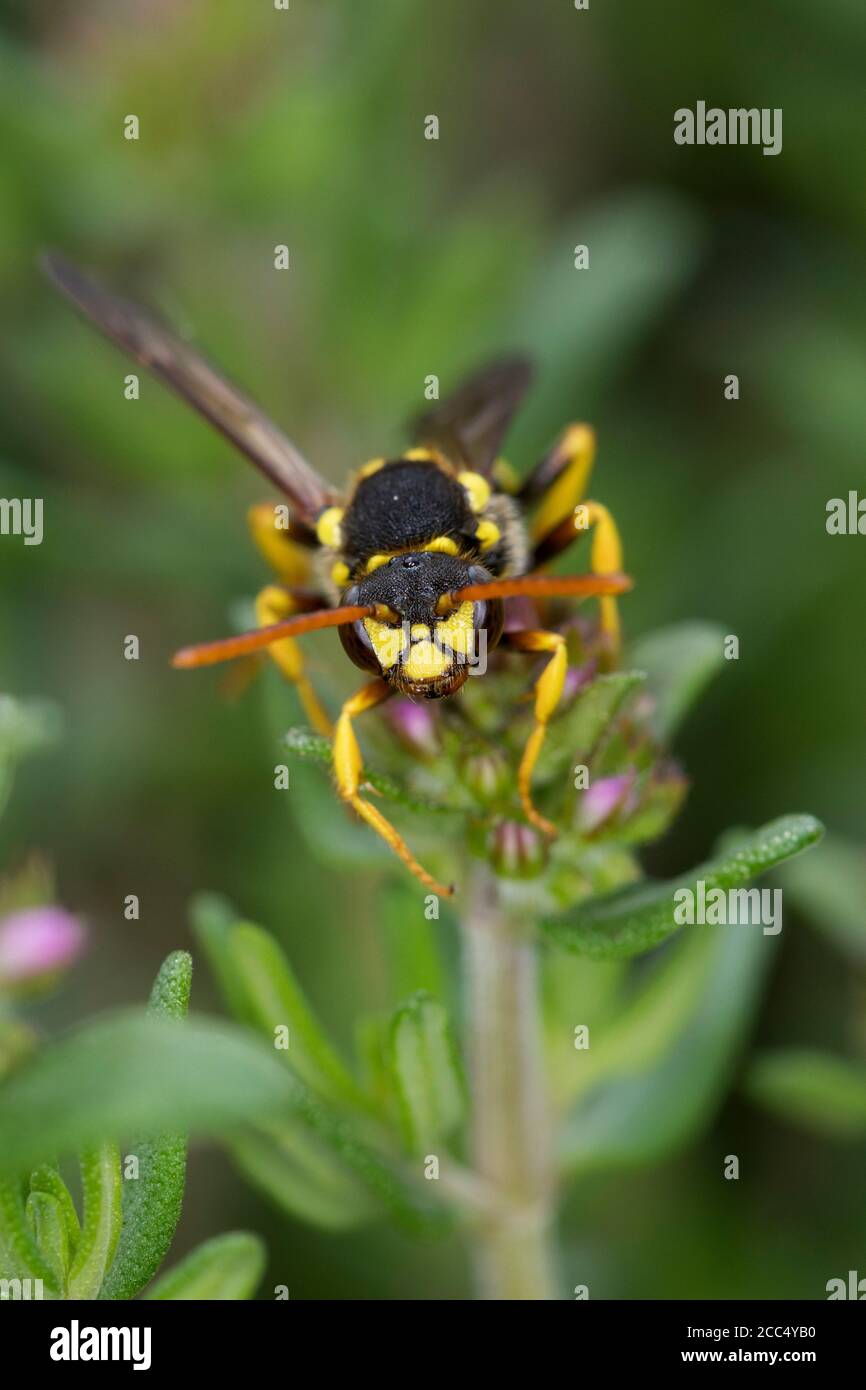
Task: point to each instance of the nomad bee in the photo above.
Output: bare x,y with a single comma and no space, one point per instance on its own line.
414,563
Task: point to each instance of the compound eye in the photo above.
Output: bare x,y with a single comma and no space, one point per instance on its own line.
358,647
489,617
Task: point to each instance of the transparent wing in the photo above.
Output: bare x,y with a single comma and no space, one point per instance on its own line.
178,366
470,425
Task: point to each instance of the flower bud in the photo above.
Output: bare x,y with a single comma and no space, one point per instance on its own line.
602,800
516,850
488,776
38,941
415,725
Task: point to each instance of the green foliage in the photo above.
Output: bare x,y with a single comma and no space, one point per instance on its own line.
640,917
229,1267
811,1089
426,1072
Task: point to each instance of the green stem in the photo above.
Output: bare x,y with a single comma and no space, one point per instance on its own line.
513,1250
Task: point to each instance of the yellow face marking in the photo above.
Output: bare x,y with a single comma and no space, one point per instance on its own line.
389,642
370,468
458,631
487,533
478,489
328,528
425,661
341,574
419,630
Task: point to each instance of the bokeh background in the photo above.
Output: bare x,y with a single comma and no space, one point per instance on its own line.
410,257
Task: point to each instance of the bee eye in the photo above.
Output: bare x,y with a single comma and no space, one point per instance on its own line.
358,647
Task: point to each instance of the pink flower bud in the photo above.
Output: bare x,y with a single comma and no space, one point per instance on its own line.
415,725
602,800
38,941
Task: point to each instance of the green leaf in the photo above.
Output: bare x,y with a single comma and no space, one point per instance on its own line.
275,999
428,1078
410,941
823,1093
45,1214
153,1199
212,919
680,662
640,1115
829,887
576,733
100,1182
46,1179
20,1256
303,743
304,1176
227,1268
637,918
205,1077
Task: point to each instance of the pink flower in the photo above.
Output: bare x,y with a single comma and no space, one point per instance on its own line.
38,941
602,800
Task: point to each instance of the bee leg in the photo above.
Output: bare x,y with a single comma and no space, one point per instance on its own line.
348,766
288,550
558,484
272,605
548,692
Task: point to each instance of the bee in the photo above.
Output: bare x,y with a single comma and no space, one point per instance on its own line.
415,563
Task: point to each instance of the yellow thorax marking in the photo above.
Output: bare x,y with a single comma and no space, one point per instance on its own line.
443,545
478,489
328,527
370,468
487,533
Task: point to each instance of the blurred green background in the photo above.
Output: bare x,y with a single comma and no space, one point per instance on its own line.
411,257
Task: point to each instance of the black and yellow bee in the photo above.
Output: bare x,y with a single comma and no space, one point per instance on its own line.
415,562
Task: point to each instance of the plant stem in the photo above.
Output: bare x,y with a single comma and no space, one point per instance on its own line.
511,1121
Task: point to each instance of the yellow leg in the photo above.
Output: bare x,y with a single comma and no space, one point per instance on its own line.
605,558
272,605
290,561
348,766
548,693
569,465
560,520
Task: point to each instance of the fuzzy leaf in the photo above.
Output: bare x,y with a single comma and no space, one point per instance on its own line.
227,1268
821,1092
100,1182
152,1201
303,743
640,1114
303,1176
45,1215
427,1074
47,1179
639,917
20,1256
575,734
275,999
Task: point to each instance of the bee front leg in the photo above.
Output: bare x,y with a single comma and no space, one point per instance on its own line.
348,767
548,693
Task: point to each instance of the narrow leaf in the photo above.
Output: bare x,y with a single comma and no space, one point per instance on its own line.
152,1200
577,732
227,1268
20,1256
821,1092
427,1073
100,1182
637,918
46,1179
49,1226
303,1176
275,1000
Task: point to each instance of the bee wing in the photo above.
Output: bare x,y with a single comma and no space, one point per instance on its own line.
470,425
188,374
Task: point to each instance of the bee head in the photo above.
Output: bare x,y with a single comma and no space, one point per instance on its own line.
426,645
